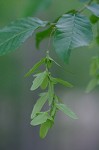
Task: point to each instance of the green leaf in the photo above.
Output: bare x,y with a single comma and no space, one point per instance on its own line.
65,83
39,104
92,84
72,31
41,118
53,111
44,83
13,36
50,93
45,128
35,67
38,80
67,111
94,8
94,66
51,59
94,19
42,35
97,39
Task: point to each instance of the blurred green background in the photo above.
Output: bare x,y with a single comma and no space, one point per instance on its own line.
16,100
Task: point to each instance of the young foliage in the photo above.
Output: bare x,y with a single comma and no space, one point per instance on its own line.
45,128
47,82
39,104
66,110
35,67
40,77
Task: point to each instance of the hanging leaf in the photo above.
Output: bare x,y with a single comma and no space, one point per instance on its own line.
41,118
72,31
94,8
94,66
13,36
45,128
50,92
35,67
92,84
44,83
65,83
67,111
39,104
38,80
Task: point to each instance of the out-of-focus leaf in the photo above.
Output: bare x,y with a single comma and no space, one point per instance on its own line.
94,19
92,84
94,8
94,66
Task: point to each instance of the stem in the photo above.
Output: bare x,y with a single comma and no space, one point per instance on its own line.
49,41
84,8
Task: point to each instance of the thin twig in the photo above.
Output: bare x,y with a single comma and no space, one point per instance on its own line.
83,8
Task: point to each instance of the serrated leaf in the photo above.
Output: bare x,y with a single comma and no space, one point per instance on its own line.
92,84
35,67
38,80
72,31
94,8
13,35
45,128
65,83
39,104
67,111
41,118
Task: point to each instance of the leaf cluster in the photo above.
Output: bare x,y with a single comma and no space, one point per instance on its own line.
46,82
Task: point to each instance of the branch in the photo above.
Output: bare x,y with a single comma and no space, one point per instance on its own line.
83,8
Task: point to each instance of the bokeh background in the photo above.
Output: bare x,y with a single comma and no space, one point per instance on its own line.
16,100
